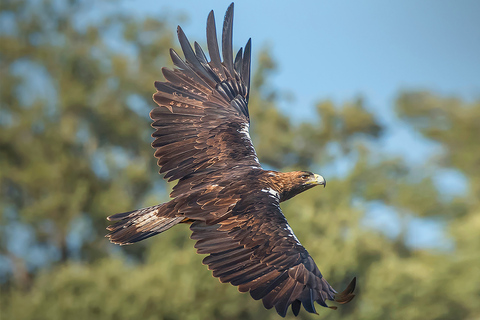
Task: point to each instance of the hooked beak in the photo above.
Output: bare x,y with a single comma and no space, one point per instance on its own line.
318,180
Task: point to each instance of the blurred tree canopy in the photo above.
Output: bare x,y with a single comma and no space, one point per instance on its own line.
75,93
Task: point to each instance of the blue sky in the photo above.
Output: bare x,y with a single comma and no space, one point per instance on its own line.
339,50
373,48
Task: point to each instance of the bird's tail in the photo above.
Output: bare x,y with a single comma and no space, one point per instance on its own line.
137,225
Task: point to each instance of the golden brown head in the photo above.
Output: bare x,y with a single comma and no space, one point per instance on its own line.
293,183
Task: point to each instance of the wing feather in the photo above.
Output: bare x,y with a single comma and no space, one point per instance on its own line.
254,248
247,56
193,60
186,70
212,43
227,35
202,120
239,62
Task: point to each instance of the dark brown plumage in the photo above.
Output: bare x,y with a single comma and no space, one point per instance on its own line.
233,205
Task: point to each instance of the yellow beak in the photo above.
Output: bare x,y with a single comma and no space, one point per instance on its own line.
318,180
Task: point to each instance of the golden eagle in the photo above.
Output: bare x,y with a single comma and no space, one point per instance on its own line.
232,205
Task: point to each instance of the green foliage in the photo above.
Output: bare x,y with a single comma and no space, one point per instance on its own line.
450,122
74,148
51,143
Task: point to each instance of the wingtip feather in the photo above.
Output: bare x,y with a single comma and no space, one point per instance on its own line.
227,35
347,295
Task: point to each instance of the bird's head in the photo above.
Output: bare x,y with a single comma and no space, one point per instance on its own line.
298,181
310,179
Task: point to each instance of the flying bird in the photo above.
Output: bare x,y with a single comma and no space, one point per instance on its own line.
232,205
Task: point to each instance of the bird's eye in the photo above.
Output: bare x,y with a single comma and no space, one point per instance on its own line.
305,176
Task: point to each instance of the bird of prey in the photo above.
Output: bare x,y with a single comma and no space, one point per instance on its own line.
232,205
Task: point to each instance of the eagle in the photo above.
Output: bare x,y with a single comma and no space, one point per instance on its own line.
230,202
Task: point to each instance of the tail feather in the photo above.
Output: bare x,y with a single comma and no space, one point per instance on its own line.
137,225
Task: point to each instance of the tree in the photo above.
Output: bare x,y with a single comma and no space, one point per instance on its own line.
74,143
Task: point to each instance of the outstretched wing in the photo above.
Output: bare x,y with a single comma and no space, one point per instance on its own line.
256,250
202,120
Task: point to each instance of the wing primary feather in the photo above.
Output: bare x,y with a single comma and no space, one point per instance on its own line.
282,299
296,307
192,59
203,60
239,62
346,295
282,294
178,79
199,53
212,44
177,61
227,50
308,302
246,66
262,291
